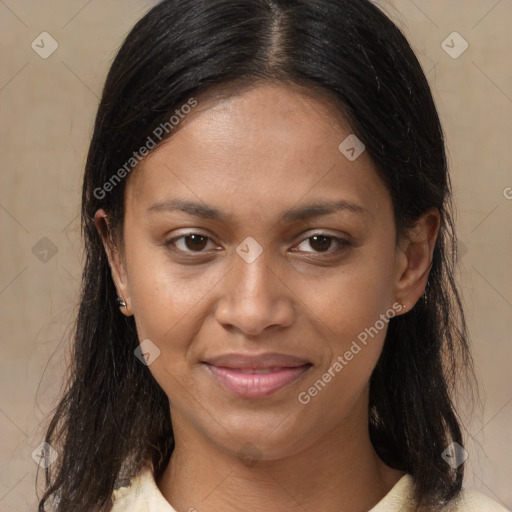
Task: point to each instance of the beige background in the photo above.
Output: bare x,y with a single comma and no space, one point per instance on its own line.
47,111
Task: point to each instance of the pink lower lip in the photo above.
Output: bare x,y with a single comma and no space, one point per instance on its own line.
252,385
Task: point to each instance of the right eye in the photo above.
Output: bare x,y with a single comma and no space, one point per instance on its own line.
190,242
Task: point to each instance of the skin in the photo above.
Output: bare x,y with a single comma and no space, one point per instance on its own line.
254,155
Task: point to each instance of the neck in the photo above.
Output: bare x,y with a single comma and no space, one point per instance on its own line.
340,472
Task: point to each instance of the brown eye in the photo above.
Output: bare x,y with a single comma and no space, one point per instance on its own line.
321,243
193,242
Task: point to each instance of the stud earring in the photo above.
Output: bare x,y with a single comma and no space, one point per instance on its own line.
120,302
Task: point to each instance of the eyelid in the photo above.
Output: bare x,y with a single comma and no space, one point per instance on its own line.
172,240
341,241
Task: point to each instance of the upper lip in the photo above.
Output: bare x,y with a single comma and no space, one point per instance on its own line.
256,361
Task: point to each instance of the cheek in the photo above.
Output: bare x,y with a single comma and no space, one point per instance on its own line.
357,337
347,301
164,294
352,309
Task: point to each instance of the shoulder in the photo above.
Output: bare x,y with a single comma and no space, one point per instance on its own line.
469,501
141,494
131,497
400,498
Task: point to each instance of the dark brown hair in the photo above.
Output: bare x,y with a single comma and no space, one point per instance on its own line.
113,415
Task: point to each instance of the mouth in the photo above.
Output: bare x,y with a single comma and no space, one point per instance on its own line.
256,376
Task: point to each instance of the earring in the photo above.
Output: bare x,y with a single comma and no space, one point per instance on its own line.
120,302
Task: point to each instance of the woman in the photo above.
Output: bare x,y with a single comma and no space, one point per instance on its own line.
269,318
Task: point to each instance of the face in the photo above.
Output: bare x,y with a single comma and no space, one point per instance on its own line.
262,265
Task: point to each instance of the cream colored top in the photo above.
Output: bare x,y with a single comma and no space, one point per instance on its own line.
143,495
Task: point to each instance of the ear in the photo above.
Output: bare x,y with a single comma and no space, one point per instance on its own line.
115,259
414,258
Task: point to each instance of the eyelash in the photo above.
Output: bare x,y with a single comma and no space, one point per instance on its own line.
342,244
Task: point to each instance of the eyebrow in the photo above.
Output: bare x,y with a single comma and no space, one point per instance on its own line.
315,209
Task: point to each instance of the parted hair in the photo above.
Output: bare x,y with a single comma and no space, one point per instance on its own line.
113,417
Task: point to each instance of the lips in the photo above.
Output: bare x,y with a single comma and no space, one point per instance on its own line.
256,376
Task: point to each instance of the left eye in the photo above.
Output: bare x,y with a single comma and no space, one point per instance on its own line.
321,243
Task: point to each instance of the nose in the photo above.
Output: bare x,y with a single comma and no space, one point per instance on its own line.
255,297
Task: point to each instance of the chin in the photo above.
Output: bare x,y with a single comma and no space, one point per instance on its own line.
263,437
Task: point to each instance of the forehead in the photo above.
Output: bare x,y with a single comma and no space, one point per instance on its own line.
267,147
